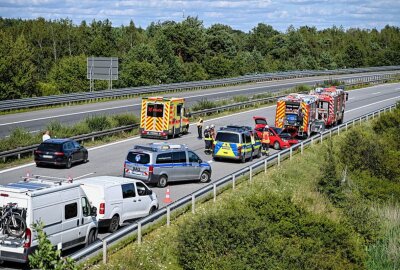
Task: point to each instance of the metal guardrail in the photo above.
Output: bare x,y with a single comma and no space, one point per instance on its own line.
29,149
84,96
263,164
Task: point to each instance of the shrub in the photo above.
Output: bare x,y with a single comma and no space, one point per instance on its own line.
46,256
124,119
263,231
98,123
237,99
203,104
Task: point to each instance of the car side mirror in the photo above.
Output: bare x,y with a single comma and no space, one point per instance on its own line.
93,211
149,192
200,161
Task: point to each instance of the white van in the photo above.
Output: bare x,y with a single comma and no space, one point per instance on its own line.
118,199
68,218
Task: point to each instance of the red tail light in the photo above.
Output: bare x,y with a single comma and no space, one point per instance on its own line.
151,169
59,153
28,238
38,152
102,208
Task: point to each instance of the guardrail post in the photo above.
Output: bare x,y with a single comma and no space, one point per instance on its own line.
330,134
279,159
168,216
19,156
251,173
265,166
322,137
193,203
215,192
104,251
338,130
360,119
346,126
354,122
367,117
291,153
139,233
301,147
93,139
233,181
379,113
312,141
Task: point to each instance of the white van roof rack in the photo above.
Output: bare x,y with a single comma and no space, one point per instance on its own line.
52,179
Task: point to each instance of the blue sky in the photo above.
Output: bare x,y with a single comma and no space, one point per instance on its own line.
242,15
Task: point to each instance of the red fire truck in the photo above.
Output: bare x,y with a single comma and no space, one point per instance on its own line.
298,111
331,104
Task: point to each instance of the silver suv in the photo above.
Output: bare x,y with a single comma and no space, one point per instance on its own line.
160,163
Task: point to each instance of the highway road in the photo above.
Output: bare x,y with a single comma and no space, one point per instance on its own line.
35,121
108,159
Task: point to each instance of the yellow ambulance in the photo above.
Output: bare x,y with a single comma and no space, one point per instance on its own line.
163,117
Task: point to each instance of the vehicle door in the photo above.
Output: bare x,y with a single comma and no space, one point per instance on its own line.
248,144
194,165
86,217
165,165
181,168
260,122
143,199
129,202
78,151
179,116
71,224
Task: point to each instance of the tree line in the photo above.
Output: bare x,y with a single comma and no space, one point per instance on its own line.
43,57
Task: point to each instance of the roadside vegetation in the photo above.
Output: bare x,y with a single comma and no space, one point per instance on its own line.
334,207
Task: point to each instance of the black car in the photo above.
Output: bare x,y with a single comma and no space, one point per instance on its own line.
62,152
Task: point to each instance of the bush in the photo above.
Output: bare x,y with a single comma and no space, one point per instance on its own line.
46,256
124,119
18,137
98,123
263,231
203,104
237,99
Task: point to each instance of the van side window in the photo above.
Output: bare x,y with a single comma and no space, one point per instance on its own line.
179,157
141,189
85,207
164,158
71,210
193,157
243,138
178,109
128,191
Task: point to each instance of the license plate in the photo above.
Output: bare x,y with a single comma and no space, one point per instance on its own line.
153,133
135,169
47,156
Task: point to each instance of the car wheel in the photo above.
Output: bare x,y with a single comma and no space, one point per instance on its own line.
85,159
114,224
69,163
91,237
152,210
38,164
205,177
162,181
276,145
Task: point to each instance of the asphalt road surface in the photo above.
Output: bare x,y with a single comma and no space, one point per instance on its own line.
36,121
108,159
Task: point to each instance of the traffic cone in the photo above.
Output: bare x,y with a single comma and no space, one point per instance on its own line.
167,197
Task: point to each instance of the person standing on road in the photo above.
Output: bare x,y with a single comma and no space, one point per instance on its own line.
212,130
46,135
265,141
200,128
208,140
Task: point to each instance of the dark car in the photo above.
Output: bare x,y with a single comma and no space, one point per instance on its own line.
61,152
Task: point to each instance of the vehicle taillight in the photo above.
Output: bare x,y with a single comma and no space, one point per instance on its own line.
59,153
144,132
28,238
151,169
38,152
3,194
102,208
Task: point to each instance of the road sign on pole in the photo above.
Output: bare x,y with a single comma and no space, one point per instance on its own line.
102,68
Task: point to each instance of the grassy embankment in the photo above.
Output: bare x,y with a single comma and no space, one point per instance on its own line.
335,207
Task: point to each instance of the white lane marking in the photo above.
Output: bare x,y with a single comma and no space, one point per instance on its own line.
136,104
398,97
375,93
135,138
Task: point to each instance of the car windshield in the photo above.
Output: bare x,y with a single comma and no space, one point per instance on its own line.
139,158
50,147
227,137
